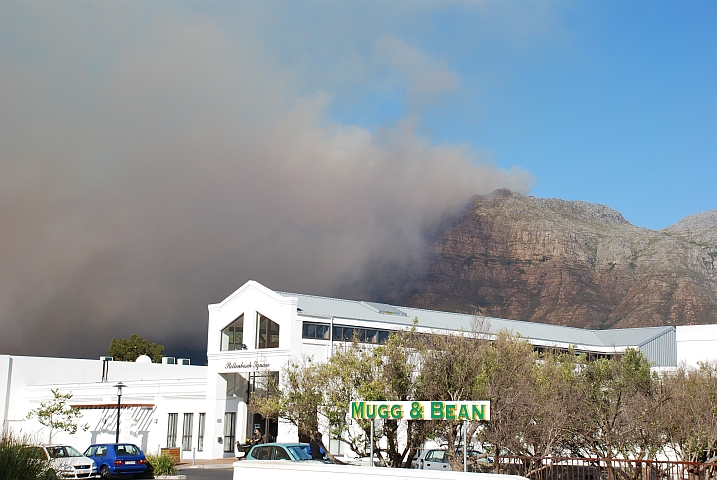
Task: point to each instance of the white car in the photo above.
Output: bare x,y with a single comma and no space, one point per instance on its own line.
68,462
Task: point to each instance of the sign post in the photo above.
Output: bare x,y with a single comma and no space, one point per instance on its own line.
372,443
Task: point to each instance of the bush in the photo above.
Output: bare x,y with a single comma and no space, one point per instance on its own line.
162,464
20,461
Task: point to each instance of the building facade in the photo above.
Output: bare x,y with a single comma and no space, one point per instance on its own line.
251,335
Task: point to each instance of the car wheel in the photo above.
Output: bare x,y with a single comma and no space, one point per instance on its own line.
105,472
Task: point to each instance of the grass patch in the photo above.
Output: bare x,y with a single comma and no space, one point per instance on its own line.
162,464
19,460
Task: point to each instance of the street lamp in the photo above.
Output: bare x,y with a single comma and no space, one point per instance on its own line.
119,403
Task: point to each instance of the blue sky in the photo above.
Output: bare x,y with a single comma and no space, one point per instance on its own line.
613,102
140,141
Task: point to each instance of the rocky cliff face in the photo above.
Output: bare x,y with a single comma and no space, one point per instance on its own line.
567,263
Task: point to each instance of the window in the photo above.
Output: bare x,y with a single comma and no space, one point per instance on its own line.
318,331
126,449
233,335
267,333
436,456
200,432
229,431
363,335
187,431
262,453
236,385
278,453
172,430
263,384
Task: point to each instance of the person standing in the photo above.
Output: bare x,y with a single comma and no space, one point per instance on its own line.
315,448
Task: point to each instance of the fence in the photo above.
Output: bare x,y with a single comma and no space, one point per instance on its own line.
552,468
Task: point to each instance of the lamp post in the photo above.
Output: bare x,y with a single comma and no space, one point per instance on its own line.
119,403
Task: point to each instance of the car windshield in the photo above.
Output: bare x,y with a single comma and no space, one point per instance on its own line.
126,449
62,452
299,452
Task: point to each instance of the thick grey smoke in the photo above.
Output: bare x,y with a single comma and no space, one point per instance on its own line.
150,164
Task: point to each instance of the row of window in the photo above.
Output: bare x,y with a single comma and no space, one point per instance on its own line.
267,334
344,333
187,425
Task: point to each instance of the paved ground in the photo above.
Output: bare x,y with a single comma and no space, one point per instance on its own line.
207,473
219,463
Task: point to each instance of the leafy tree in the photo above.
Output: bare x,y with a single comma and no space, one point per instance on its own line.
57,415
623,402
128,349
299,399
691,420
451,368
372,373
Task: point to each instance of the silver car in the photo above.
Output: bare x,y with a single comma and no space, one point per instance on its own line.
437,459
67,462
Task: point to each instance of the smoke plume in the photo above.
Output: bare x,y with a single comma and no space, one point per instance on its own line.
151,163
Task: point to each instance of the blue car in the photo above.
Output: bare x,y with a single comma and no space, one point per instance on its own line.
117,459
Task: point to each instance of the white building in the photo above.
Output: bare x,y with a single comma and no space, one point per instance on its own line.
252,334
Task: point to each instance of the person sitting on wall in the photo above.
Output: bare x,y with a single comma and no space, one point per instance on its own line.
256,439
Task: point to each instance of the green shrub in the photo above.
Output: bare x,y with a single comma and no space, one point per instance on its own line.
161,464
20,460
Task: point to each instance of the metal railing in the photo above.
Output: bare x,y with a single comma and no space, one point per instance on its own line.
555,468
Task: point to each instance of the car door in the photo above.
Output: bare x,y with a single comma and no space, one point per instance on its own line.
436,460
99,456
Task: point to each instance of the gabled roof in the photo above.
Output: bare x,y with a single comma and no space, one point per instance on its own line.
537,333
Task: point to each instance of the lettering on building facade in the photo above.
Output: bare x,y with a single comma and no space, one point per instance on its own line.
256,365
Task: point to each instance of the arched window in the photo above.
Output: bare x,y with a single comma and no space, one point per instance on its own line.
267,333
233,335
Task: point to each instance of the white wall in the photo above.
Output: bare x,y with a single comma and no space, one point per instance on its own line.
318,471
696,343
26,382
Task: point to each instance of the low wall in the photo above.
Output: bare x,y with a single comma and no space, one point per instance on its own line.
319,471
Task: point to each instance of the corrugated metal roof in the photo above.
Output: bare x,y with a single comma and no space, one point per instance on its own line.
539,332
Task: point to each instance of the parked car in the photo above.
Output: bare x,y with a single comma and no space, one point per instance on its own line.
293,452
432,459
67,462
117,459
437,459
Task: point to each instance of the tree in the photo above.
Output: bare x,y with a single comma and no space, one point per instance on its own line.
372,373
57,415
691,419
299,398
128,349
450,370
623,401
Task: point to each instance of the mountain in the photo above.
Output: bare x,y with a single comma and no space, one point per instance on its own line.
567,263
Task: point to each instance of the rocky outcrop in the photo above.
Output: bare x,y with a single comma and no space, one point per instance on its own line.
567,263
